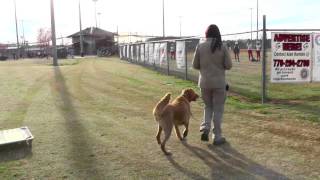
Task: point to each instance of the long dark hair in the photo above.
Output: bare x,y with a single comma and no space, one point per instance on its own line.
214,33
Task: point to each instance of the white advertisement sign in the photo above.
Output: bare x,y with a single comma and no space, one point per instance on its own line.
146,52
180,54
137,55
156,53
128,52
142,52
123,52
151,60
163,54
291,57
316,57
131,52
120,52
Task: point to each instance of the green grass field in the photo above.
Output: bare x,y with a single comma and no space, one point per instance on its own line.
92,119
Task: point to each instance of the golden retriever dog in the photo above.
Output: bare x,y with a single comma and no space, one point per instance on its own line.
175,114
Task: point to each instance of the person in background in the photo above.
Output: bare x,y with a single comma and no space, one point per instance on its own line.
236,51
249,45
258,49
211,58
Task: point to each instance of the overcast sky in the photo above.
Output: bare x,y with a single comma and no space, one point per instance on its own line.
145,16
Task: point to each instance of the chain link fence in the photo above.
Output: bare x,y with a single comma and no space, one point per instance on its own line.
249,77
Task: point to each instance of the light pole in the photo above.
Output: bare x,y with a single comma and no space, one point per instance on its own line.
95,11
180,24
257,19
53,35
17,34
163,32
251,22
80,32
117,35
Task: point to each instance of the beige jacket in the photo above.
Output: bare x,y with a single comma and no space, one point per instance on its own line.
212,66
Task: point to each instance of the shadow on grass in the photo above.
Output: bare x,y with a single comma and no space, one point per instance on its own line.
185,171
15,152
227,163
82,157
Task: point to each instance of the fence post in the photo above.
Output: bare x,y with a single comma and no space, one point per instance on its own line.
264,49
154,61
139,54
168,66
186,59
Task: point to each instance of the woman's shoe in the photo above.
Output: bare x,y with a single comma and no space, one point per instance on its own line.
219,141
205,136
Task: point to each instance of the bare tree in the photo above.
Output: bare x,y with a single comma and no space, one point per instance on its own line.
44,38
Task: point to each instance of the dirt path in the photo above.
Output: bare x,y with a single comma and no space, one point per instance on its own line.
93,120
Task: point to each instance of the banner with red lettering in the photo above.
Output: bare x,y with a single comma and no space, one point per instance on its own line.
291,57
316,57
163,54
180,54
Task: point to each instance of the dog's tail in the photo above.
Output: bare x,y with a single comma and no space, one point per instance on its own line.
157,111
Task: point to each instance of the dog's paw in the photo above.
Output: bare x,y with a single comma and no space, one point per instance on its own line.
185,133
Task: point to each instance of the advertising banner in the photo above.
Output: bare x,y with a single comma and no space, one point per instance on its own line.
128,52
180,54
120,52
146,53
156,53
131,52
123,52
316,57
151,60
163,54
141,52
137,52
291,57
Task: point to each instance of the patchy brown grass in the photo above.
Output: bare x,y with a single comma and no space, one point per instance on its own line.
92,120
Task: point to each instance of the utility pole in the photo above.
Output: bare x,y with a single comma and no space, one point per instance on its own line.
264,59
80,32
17,33
118,35
163,32
251,23
53,35
23,41
257,20
180,24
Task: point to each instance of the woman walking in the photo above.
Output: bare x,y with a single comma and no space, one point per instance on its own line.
212,59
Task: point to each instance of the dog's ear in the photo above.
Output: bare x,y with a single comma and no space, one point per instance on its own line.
185,93
190,94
